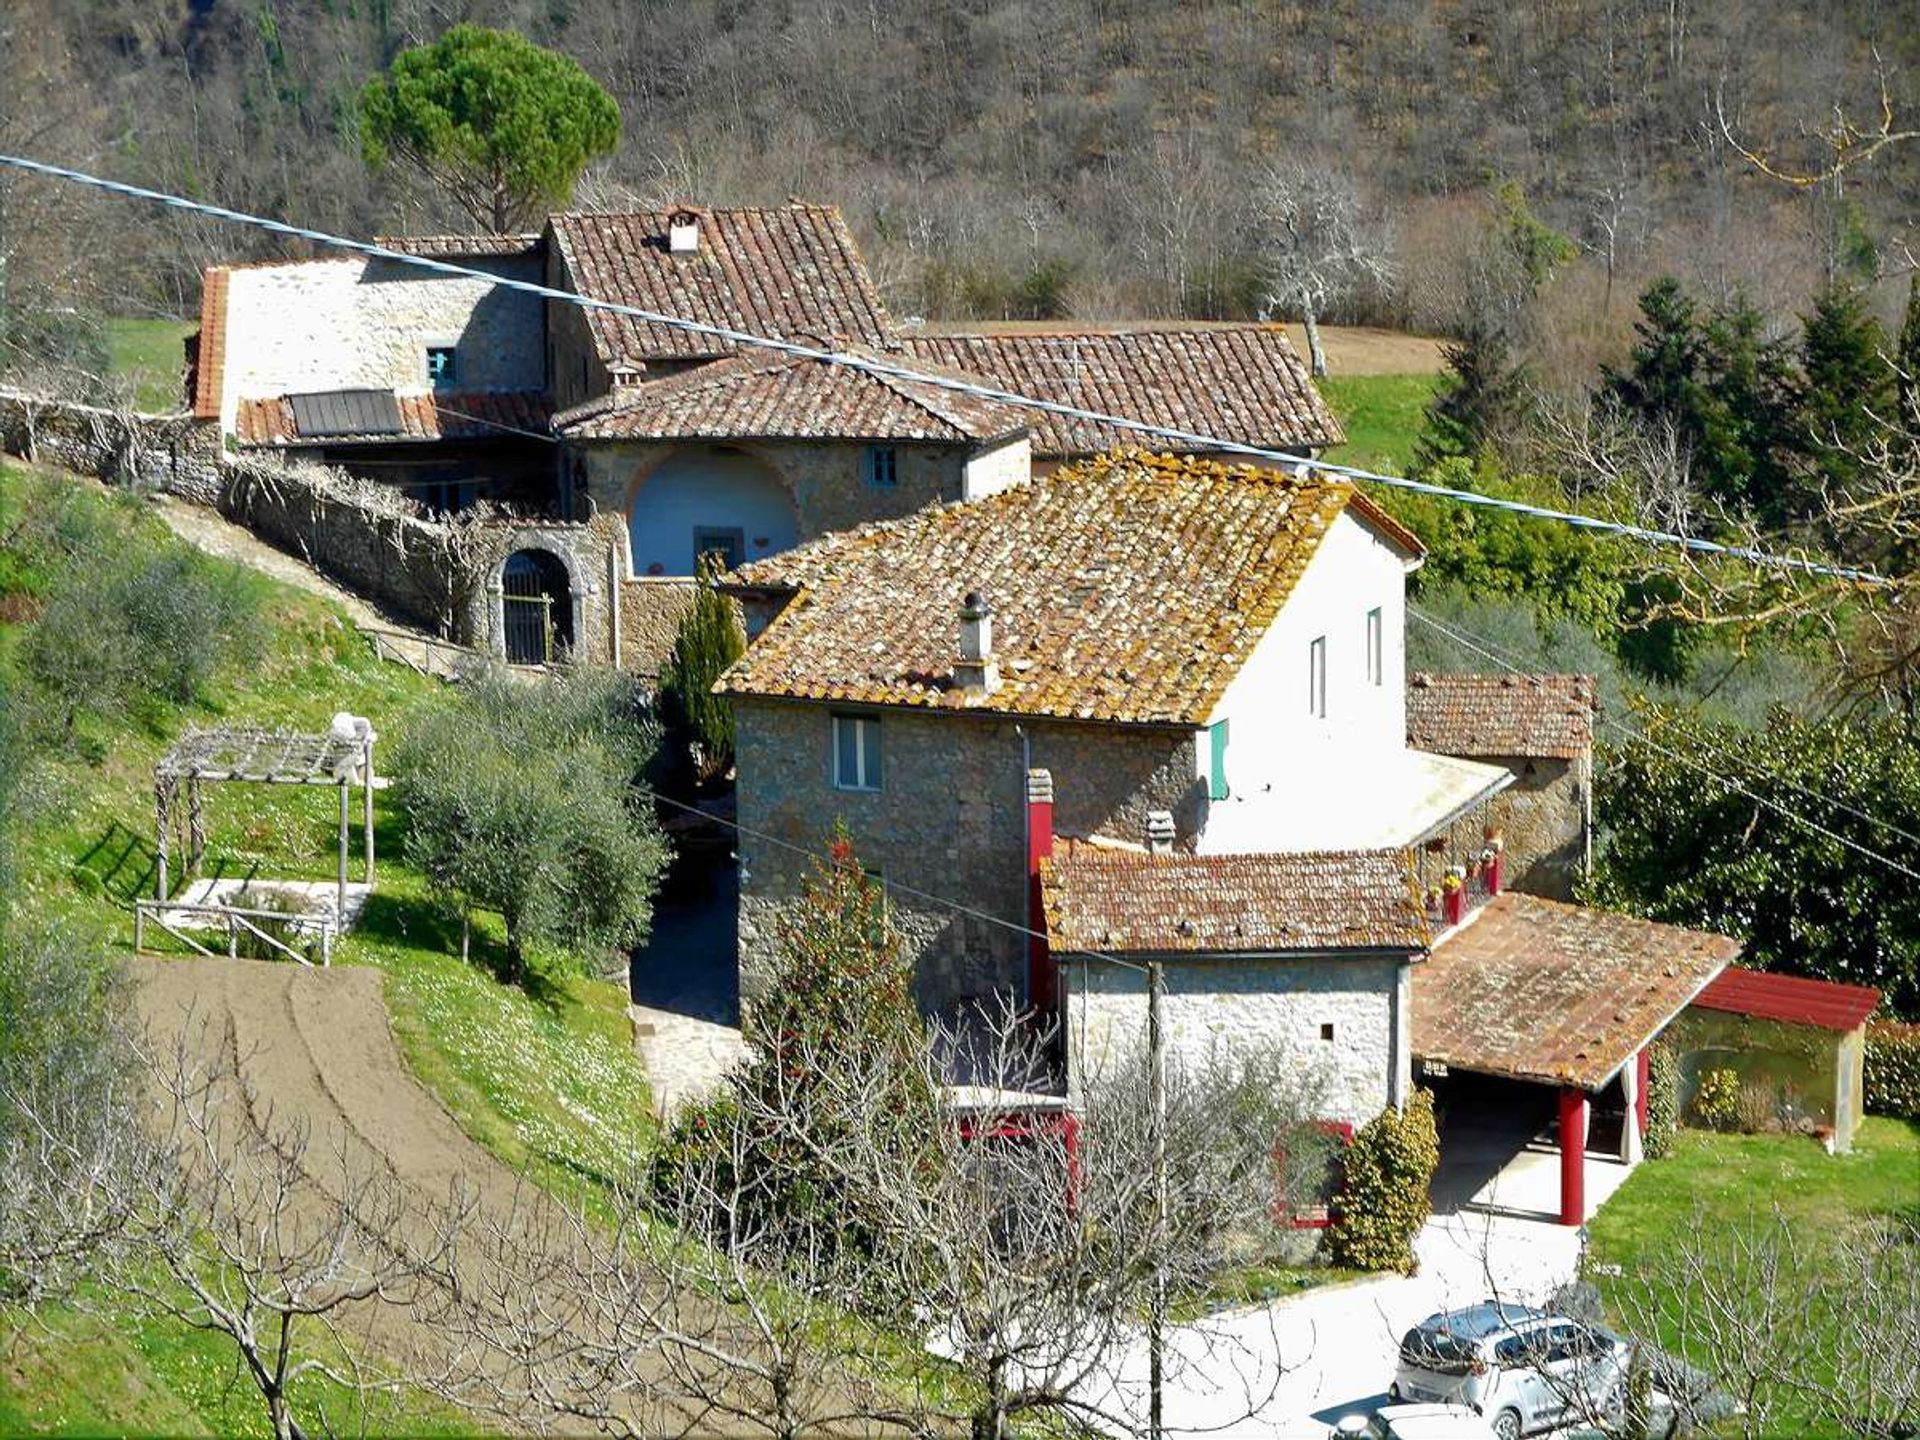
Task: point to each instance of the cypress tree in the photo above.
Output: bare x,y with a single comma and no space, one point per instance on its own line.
708,641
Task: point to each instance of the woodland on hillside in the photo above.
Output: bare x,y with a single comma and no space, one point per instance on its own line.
1086,158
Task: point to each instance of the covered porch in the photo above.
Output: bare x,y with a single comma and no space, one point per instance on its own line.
1534,1019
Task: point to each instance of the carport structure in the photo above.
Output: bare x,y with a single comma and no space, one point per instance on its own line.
1560,996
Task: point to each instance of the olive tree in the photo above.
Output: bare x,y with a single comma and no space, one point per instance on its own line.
502,125
521,798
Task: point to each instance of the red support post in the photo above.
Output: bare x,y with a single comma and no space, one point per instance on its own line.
1040,978
1642,1064
1573,1157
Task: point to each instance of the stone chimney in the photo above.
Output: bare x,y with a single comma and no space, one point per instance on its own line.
683,232
1159,832
976,671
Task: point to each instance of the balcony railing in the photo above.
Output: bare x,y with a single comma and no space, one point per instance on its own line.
1462,869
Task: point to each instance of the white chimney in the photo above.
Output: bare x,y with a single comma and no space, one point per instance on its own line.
1159,832
976,670
683,232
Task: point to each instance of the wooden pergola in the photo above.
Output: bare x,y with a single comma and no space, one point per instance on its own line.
341,755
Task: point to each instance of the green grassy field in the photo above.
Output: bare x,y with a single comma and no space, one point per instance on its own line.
546,1077
148,353
1382,415
1713,1183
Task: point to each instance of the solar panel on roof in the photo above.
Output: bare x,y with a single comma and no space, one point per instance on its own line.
346,412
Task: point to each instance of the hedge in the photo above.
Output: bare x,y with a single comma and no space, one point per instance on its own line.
1663,1101
1389,1176
1893,1070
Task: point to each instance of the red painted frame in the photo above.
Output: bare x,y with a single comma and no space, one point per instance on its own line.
1015,1126
1284,1213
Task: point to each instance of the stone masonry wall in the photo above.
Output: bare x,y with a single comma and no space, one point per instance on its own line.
823,478
1227,1010
174,453
1542,817
950,821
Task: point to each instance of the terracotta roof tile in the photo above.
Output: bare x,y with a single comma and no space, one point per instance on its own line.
1128,589
1538,990
1240,382
1478,715
766,395
1791,998
455,247
475,415
790,271
1120,901
210,362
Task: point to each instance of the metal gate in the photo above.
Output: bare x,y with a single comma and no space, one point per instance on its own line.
536,608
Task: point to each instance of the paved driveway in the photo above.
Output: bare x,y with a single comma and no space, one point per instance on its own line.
1292,1368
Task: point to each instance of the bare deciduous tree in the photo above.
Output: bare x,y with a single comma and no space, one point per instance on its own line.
1317,245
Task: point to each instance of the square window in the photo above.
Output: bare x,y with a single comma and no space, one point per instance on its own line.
1317,677
728,544
856,752
1376,648
1326,1030
880,464
440,365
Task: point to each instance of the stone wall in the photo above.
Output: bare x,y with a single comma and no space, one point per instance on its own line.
1227,1010
174,453
950,821
651,610
1543,818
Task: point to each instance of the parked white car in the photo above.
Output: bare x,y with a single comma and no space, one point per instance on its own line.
1414,1422
1525,1370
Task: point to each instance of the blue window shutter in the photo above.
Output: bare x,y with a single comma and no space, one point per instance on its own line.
1217,782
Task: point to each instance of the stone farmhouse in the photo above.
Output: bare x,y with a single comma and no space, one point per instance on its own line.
632,448
1159,706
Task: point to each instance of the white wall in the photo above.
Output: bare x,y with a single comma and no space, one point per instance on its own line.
1226,1009
363,323
701,489
1282,758
991,471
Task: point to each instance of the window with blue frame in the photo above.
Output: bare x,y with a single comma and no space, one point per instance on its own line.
440,369
1217,760
880,466
856,752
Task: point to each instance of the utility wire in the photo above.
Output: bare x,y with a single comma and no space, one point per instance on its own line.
887,370
1633,733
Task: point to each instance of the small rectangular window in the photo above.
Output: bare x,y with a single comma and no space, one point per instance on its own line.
1376,648
730,545
856,752
881,466
1317,677
440,365
1217,768
1326,1030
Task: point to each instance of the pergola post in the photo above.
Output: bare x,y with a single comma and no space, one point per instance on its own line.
366,785
196,828
1573,1156
160,796
340,912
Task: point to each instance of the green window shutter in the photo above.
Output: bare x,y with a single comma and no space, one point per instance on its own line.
1217,782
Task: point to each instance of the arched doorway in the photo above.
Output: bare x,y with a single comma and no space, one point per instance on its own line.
536,601
708,498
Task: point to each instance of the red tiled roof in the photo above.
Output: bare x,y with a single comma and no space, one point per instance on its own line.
1100,899
1549,716
1129,589
1539,990
787,397
1239,382
790,271
210,362
454,247
475,414
1790,997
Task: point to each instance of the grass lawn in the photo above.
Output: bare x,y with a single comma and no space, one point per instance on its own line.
148,352
1712,1182
546,1077
1382,416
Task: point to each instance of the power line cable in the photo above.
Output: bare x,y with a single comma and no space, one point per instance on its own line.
887,370
1641,735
